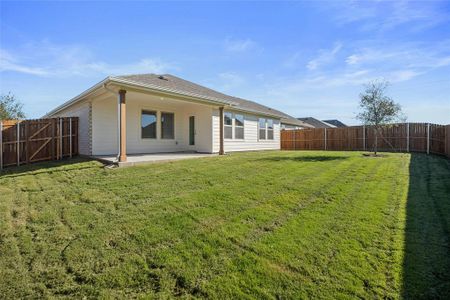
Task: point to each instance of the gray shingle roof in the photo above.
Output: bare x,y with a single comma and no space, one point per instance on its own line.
316,123
335,122
182,86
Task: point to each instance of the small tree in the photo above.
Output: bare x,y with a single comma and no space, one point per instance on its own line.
377,109
10,107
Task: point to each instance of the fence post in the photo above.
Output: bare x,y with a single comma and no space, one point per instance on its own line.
70,137
364,137
27,141
407,137
428,138
60,139
53,129
1,145
294,134
325,138
348,140
446,140
18,143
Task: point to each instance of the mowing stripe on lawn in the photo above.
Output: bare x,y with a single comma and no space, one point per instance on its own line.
269,224
254,234
323,202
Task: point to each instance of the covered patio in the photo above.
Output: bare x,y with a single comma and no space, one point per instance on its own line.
144,133
148,158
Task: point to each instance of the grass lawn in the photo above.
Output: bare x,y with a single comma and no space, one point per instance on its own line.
247,225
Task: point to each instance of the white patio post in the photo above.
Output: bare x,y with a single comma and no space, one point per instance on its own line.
428,138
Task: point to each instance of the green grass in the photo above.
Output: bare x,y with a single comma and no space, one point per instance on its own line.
247,225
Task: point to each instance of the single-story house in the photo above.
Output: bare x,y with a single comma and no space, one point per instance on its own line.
151,113
316,123
335,122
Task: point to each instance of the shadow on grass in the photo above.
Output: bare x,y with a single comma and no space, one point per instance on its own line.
44,167
426,264
312,158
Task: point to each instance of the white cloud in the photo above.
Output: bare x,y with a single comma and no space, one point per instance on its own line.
324,57
335,79
228,81
292,88
386,15
367,55
402,75
418,56
236,45
46,59
145,65
9,63
363,61
293,60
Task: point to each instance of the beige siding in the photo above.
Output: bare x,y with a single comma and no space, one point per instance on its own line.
250,141
105,125
99,127
83,112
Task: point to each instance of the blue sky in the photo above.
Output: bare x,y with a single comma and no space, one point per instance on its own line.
304,58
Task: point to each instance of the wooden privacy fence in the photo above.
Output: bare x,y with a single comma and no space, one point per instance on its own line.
404,137
28,141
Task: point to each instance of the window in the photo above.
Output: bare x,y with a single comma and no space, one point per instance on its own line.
270,129
239,127
167,125
262,128
148,124
266,129
228,125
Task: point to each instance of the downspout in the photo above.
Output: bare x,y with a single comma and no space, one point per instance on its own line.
105,86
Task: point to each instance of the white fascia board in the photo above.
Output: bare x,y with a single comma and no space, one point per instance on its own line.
149,87
127,83
153,87
255,112
74,100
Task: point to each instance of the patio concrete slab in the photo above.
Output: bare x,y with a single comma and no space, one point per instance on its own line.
148,158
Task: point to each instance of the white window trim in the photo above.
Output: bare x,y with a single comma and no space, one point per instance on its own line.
268,129
236,126
225,125
233,126
259,128
174,125
140,124
158,124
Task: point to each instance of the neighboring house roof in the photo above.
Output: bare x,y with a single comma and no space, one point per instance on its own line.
172,84
335,122
295,122
316,123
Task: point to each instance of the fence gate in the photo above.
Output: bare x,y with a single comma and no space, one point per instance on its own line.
28,141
